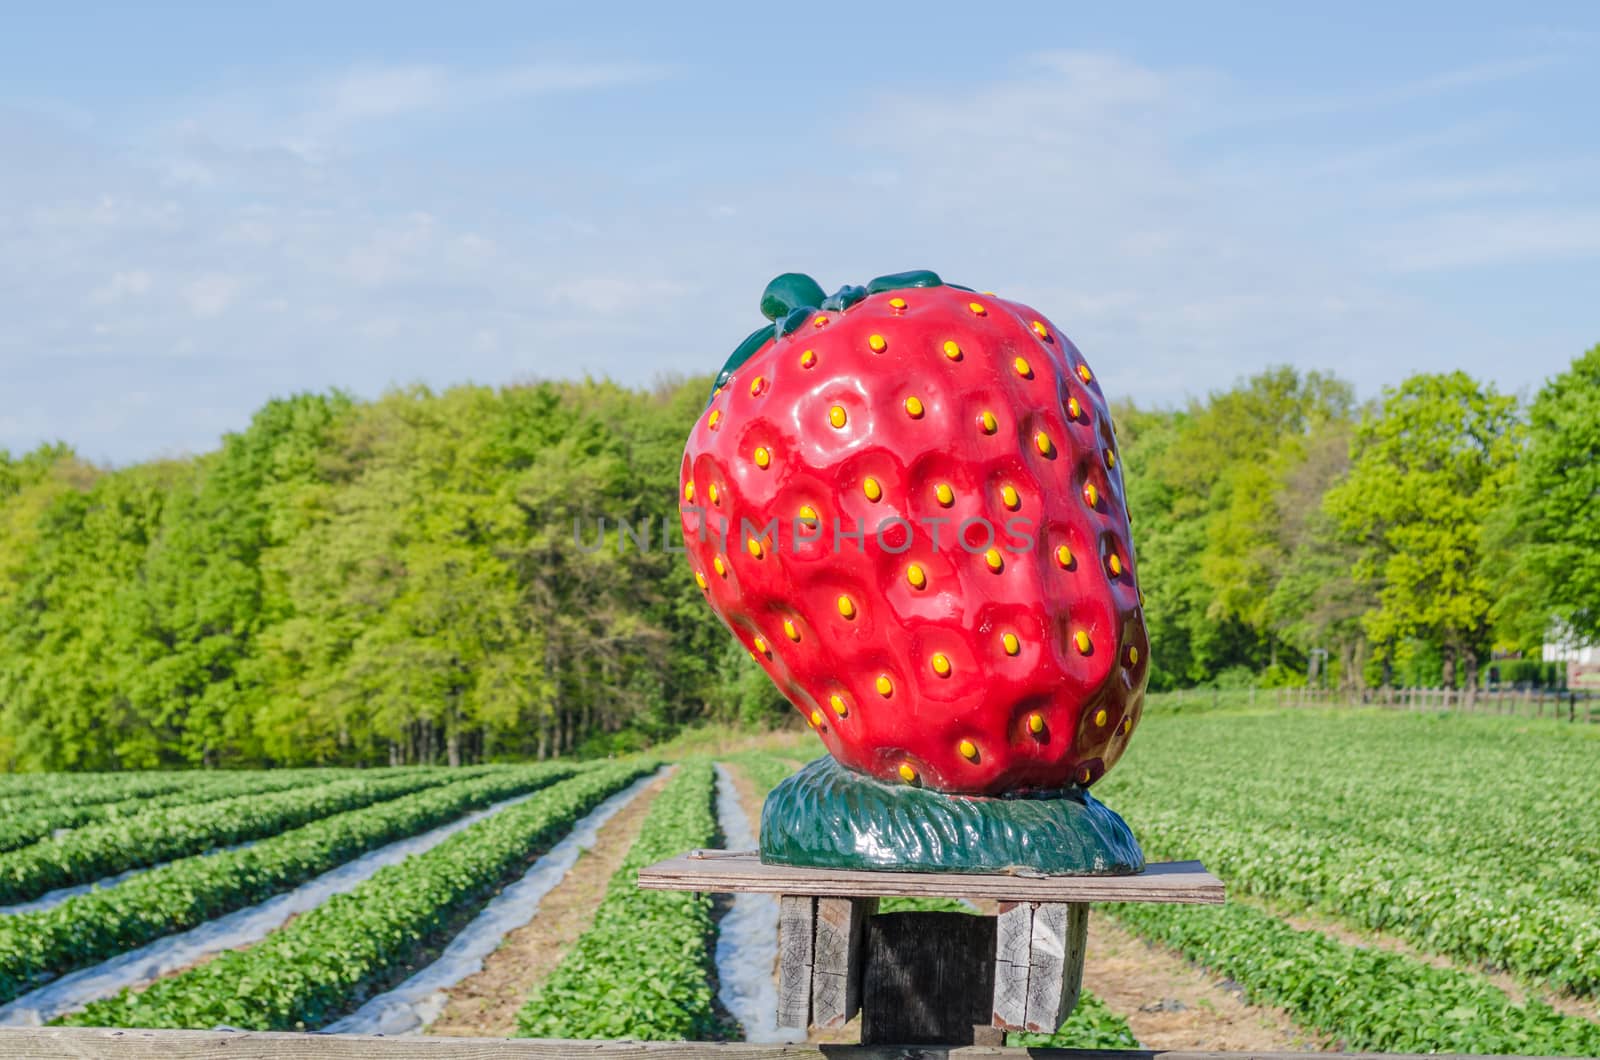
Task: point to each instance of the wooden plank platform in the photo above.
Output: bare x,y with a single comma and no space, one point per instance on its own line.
81,1043
721,871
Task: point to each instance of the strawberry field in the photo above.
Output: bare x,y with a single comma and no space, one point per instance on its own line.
1396,882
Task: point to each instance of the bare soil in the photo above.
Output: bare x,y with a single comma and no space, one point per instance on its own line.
1172,1004
485,1005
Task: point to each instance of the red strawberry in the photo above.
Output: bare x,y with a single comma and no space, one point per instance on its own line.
1010,653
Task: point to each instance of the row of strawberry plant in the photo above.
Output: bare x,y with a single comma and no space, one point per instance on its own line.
31,825
102,923
87,854
30,791
356,944
1385,822
1370,999
644,968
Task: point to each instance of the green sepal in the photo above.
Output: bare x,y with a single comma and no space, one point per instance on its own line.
791,323
844,298
896,281
788,293
746,349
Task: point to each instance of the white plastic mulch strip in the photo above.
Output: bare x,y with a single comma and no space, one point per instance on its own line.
237,929
747,937
418,1001
51,899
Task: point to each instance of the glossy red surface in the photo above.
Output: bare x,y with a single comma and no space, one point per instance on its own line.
960,706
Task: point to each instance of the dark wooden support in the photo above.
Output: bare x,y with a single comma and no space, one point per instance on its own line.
929,978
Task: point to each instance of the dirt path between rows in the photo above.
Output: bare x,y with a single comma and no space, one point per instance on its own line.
1172,1004
485,1004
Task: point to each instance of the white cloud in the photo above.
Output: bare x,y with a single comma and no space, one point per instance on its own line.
209,295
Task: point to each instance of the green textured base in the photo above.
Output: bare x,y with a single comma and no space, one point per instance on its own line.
827,816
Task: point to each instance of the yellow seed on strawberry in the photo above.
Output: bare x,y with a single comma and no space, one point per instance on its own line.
819,321
757,384
1010,642
897,303
720,567
762,457
712,420
1082,641
1074,410
1111,458
1114,564
872,489
987,422
711,491
1100,718
908,774
968,750
941,664
1083,777
1091,496
847,607
808,359
877,343
952,349
688,491
816,719
790,630
977,308
808,515
836,416
1063,556
916,576
1133,655
1036,723
1022,367
914,407
944,494
884,686
836,701
1009,497
1040,330
1042,442
700,579
995,561
1084,373
761,645
755,547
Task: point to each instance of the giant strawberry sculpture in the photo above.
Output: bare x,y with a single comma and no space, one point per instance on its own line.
904,499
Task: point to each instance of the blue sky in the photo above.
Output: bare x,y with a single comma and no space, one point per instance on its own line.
205,206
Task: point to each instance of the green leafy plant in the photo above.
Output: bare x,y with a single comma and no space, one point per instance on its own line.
325,963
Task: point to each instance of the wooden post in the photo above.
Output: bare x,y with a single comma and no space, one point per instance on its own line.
837,956
796,937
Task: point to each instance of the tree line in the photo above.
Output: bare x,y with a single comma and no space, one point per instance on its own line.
400,580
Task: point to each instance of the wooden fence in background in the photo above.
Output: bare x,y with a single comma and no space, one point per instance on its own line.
1570,706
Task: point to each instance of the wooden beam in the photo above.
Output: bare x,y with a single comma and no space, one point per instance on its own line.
929,978
87,1043
1055,966
1012,945
1182,882
837,958
797,927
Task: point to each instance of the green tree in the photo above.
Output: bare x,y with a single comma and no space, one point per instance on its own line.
1425,469
1547,534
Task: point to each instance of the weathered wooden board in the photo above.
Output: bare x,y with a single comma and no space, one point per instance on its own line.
837,958
1013,943
797,917
1055,965
84,1043
929,978
1183,882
